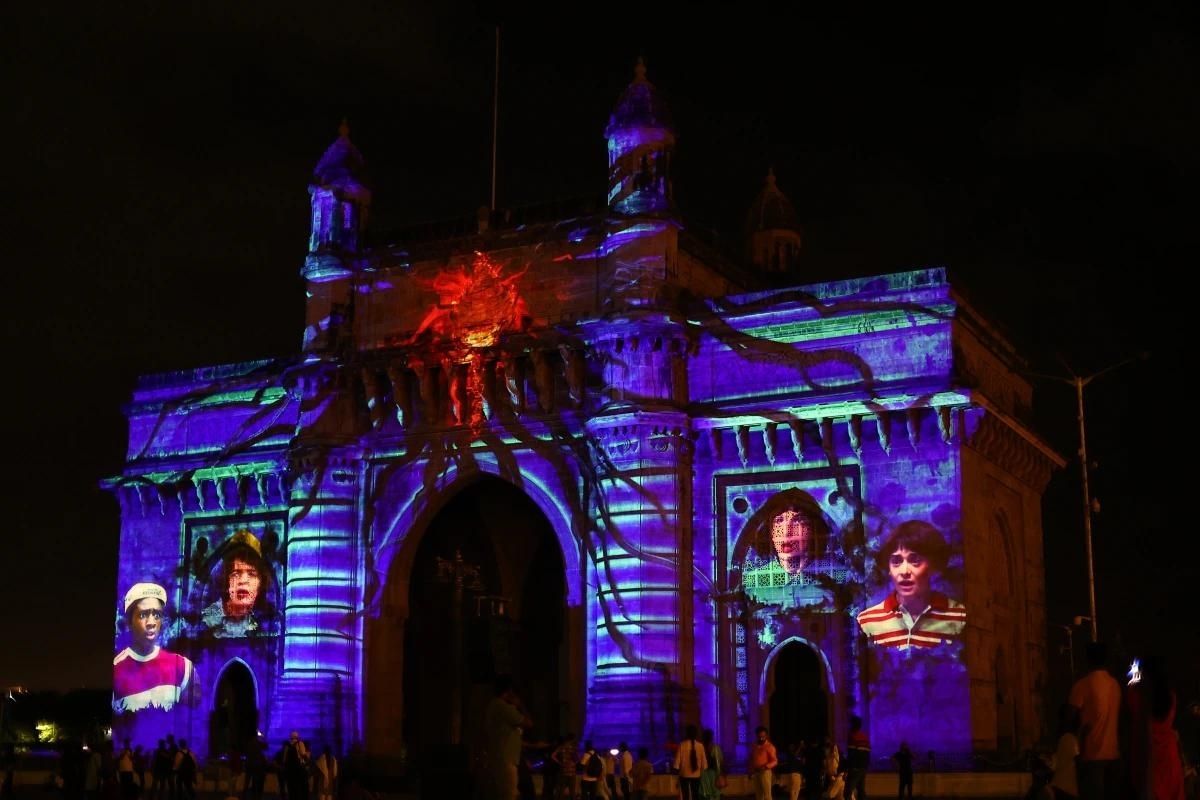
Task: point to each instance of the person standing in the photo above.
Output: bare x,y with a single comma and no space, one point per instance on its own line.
690,763
624,768
591,770
791,764
504,720
125,772
858,759
710,779
1065,783
763,759
1155,768
326,775
566,758
639,776
1098,698
256,770
904,767
185,771
295,767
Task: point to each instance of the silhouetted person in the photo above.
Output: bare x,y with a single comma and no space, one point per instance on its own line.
504,720
858,752
295,767
1155,768
1098,698
904,768
185,771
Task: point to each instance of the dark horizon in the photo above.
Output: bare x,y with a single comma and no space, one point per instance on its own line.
163,220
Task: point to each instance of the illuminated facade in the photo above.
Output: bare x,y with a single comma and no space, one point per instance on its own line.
722,467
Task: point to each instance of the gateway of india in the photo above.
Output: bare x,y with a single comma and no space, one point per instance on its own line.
655,483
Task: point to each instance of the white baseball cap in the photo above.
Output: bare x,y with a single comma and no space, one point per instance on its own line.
145,591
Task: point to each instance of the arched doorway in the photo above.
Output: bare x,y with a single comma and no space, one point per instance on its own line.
234,720
487,596
799,700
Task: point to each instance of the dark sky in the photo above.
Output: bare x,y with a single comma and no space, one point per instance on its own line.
157,219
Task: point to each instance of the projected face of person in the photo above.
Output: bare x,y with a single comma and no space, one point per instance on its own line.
145,623
911,574
244,581
791,534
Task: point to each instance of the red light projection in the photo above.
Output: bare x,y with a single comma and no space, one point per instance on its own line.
475,305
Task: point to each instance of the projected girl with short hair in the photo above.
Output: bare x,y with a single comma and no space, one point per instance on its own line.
913,615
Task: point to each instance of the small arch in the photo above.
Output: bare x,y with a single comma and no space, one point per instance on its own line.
233,721
235,662
794,705
827,681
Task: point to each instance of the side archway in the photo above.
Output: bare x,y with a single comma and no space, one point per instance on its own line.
233,723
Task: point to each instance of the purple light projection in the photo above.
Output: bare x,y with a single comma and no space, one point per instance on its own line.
722,475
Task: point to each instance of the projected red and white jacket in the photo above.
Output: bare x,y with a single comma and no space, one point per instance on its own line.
887,625
157,680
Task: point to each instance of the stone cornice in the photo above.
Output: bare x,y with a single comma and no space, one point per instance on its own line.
993,437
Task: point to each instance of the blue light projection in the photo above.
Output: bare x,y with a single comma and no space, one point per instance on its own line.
726,477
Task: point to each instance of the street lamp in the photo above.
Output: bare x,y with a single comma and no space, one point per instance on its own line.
1070,648
1080,381
457,573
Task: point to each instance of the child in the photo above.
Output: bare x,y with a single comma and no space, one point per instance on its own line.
1064,782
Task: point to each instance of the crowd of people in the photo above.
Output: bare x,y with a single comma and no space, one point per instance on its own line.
173,771
816,768
1118,741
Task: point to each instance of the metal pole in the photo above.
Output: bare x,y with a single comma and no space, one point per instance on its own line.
495,115
1087,507
456,709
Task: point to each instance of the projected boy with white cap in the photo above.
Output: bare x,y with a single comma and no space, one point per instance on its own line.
144,675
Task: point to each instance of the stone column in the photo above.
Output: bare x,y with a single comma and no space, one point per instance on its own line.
319,693
640,572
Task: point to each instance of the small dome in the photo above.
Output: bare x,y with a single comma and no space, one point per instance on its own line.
772,210
341,163
640,106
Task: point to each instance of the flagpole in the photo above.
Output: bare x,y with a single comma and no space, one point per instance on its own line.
495,115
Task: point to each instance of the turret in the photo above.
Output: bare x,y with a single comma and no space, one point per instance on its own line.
641,139
773,230
340,202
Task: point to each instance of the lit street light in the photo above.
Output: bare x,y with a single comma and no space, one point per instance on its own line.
1089,505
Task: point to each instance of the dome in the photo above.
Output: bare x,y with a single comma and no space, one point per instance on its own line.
640,106
772,210
341,163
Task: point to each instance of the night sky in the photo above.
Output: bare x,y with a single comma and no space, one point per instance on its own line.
158,218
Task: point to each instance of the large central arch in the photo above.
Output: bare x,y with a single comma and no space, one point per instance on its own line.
516,541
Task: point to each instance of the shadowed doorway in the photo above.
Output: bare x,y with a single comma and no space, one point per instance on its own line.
234,721
799,702
486,597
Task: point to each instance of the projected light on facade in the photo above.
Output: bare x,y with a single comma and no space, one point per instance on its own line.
737,481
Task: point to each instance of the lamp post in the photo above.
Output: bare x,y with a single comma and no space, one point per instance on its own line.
1080,381
456,572
1070,631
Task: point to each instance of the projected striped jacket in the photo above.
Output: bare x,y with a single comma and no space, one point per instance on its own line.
885,624
158,680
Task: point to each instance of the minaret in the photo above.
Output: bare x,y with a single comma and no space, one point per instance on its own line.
340,202
773,230
641,139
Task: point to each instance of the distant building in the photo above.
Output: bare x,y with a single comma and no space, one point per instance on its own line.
661,485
